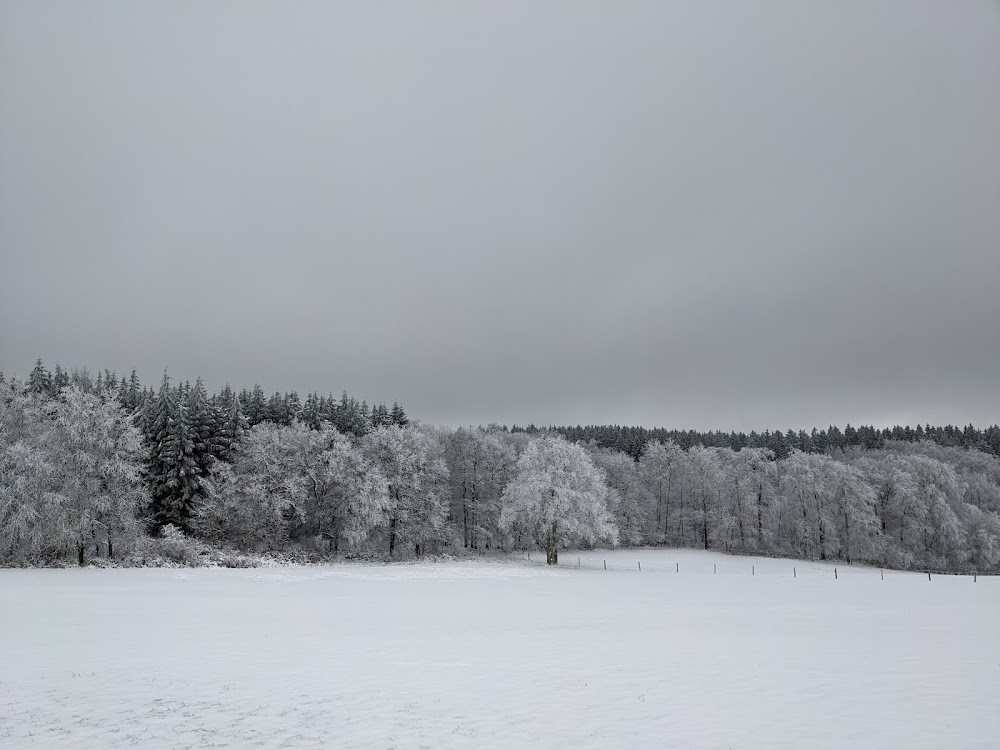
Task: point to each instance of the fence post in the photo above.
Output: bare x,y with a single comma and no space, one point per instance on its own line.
753,570
928,575
605,564
835,574
715,568
578,562
975,573
678,567
794,572
640,566
881,573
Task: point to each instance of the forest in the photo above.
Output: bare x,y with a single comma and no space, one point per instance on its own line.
105,470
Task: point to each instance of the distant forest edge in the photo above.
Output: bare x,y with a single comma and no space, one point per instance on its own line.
355,417
633,440
104,470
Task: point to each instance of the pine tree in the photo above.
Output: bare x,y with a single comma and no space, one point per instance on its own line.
203,423
60,379
234,426
398,416
380,416
174,474
255,406
311,415
39,381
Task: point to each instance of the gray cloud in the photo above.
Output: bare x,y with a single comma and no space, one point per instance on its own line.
707,215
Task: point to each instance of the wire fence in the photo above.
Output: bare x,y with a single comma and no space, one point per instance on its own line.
738,567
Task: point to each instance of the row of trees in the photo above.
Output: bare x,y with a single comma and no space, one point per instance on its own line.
86,472
633,440
347,413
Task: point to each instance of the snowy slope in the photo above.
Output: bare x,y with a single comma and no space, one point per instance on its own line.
501,654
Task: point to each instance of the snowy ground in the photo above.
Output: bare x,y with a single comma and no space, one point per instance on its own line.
501,654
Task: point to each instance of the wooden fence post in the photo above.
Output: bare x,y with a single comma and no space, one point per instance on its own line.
678,567
753,570
881,573
605,564
578,562
640,566
794,572
834,574
715,568
928,575
974,575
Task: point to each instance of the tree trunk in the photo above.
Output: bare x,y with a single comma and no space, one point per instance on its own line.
551,549
111,548
79,552
760,517
392,535
704,519
465,516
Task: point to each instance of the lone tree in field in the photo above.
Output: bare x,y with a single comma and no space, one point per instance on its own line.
558,497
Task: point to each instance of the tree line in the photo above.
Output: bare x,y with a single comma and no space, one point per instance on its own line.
92,466
633,440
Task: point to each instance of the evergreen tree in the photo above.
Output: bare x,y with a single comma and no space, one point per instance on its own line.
256,406
398,416
311,415
60,379
40,380
174,474
234,426
203,423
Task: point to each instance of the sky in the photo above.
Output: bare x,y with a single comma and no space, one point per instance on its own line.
701,215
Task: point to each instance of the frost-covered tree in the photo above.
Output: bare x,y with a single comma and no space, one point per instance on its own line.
809,519
347,496
558,497
762,471
746,497
40,380
661,466
937,494
284,478
858,530
706,481
412,461
70,477
250,502
627,496
480,464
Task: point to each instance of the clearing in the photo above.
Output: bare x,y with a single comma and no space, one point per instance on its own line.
501,653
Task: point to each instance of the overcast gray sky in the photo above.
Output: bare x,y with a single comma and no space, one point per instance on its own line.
693,214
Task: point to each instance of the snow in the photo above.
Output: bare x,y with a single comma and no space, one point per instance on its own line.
501,653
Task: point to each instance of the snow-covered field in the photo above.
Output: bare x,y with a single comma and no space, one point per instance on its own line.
501,654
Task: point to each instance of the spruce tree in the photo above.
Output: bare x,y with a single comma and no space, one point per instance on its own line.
256,406
234,426
398,416
174,474
39,381
202,420
312,415
60,379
